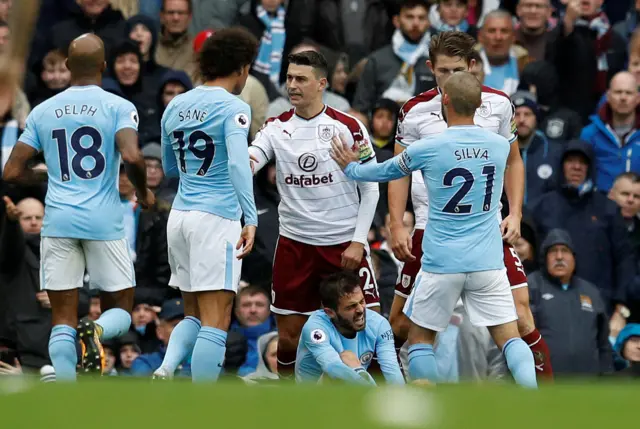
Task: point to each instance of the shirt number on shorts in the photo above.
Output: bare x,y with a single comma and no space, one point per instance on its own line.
206,154
454,206
90,135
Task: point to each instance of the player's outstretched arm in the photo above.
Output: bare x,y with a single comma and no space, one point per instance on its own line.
398,193
127,141
241,177
16,170
387,357
514,187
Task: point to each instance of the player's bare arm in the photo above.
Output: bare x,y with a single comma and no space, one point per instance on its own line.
127,141
398,194
16,169
514,187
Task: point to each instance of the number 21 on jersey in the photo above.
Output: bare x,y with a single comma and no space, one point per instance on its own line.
454,206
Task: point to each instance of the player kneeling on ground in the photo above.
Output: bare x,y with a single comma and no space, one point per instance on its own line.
340,339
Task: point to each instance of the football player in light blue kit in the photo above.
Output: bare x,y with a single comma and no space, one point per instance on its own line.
204,141
82,132
341,339
463,168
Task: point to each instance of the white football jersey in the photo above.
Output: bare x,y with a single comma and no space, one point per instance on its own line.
318,203
421,117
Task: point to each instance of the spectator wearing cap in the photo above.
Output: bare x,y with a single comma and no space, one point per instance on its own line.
615,131
557,122
533,30
627,346
569,311
541,157
125,69
128,352
162,187
142,30
587,53
253,319
174,48
171,314
603,251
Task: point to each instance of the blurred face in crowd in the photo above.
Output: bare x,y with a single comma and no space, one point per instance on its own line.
94,308
526,122
4,38
413,23
56,75
141,34
339,78
350,315
271,5
110,358
31,215
631,350
93,8
127,69
5,7
590,7
627,195
444,66
304,86
175,16
252,310
622,95
142,315
575,168
165,328
125,187
497,36
154,172
478,71
271,355
382,123
170,91
560,262
524,249
452,12
634,65
128,354
533,14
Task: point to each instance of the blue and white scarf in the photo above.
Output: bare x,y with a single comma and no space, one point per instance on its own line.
403,86
463,26
269,60
507,78
9,139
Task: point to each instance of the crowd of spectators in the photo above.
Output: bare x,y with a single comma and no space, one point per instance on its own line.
571,67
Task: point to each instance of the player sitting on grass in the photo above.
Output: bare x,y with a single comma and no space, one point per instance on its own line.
340,339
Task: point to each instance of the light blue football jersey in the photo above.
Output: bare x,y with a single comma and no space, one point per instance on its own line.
321,343
463,169
204,141
76,131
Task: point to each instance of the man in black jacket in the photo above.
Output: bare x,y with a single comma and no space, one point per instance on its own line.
569,312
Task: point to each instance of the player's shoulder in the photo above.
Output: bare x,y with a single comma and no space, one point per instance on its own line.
376,323
351,123
318,328
425,101
496,97
277,121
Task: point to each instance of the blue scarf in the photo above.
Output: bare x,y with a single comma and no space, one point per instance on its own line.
9,140
505,77
269,60
463,27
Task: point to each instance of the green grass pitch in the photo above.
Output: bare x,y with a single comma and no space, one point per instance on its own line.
126,403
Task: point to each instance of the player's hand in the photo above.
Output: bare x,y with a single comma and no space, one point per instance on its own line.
616,324
253,161
352,256
510,228
401,244
350,359
247,238
148,200
6,369
341,153
13,213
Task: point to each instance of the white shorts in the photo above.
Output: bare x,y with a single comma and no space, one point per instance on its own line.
486,296
63,262
202,251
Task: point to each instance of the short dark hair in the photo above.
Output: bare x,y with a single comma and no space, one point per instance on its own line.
225,52
251,290
464,2
452,44
336,286
475,55
189,5
634,177
410,4
313,59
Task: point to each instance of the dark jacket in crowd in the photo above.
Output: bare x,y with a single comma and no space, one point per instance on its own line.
151,71
626,27
142,94
152,264
603,251
541,159
251,334
576,62
572,318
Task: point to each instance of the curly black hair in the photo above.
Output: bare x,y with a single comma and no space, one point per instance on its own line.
227,51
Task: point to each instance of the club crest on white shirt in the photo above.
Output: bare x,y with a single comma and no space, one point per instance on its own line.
484,110
325,132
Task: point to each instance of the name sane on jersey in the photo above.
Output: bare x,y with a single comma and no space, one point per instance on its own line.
471,153
195,114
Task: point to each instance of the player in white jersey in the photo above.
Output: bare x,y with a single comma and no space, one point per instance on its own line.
323,221
82,132
423,116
